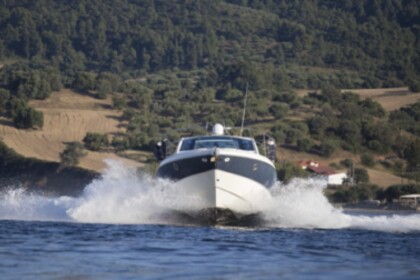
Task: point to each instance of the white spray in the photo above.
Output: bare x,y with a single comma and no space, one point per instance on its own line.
302,204
122,195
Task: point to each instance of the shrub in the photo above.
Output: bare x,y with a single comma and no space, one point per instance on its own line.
354,194
412,155
118,103
104,88
317,125
95,141
279,136
377,146
292,135
233,95
84,81
367,160
361,175
304,145
347,163
4,98
119,143
279,110
327,148
72,154
414,86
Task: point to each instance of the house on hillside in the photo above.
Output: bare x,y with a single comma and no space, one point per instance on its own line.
333,177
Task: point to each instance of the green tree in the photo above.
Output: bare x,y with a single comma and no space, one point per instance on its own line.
72,154
279,110
361,175
233,95
317,125
27,117
305,145
373,108
412,154
4,99
13,106
118,102
84,81
414,86
367,160
349,131
34,86
104,88
327,148
382,132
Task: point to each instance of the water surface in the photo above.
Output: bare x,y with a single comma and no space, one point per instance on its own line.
118,229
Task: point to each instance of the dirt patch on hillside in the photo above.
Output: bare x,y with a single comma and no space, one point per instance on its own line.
383,179
68,116
391,99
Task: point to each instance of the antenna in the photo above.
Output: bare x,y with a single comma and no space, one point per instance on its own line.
243,114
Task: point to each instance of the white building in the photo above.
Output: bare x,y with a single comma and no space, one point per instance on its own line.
333,178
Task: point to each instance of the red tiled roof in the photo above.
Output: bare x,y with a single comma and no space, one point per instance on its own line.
323,170
316,167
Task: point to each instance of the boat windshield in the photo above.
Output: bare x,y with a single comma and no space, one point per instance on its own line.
218,142
200,144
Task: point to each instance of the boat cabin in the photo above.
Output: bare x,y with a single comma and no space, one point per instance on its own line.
218,139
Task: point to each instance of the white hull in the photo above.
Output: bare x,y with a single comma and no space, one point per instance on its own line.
219,189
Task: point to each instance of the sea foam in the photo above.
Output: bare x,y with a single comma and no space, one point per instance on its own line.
124,196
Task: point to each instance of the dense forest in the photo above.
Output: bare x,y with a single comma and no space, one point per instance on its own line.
176,64
348,43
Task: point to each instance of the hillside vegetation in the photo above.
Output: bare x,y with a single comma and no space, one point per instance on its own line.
168,66
67,118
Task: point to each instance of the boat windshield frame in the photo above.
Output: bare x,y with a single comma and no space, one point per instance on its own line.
222,142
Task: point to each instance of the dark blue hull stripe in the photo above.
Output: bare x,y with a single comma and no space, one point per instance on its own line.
252,169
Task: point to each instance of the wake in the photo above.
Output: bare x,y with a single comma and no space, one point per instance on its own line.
122,196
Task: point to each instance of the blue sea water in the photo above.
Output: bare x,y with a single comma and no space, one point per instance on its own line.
60,250
117,230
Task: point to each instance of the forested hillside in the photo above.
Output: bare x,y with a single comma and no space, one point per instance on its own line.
369,43
176,64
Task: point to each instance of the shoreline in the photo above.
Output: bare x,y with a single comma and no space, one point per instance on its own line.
379,210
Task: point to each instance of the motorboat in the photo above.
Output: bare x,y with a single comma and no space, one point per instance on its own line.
226,173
